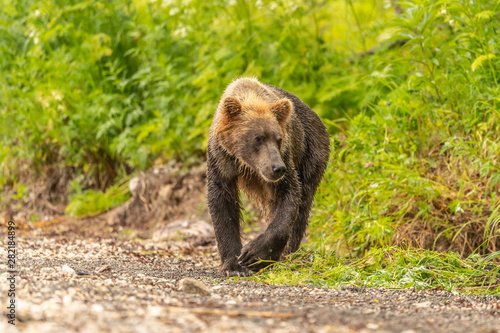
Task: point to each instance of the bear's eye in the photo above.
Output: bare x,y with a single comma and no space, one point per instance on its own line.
280,141
259,139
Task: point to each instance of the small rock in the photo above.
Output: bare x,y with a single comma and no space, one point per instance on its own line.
193,286
47,270
97,308
103,268
68,270
135,186
422,305
185,228
154,311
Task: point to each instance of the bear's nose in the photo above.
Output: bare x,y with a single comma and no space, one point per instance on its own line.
279,169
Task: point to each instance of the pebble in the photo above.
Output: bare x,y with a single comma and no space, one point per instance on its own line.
192,286
68,270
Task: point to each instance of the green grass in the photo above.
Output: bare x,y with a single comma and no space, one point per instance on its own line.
389,267
88,203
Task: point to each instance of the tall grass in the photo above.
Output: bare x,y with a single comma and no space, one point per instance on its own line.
421,164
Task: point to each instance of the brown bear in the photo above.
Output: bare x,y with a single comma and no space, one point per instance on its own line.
268,143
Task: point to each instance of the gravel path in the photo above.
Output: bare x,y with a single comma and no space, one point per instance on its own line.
135,287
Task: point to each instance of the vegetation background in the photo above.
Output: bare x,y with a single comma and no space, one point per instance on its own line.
409,92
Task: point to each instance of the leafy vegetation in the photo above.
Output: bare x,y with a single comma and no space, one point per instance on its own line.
408,90
389,267
104,86
89,202
420,165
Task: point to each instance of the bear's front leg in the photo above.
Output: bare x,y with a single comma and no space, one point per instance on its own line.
224,206
270,245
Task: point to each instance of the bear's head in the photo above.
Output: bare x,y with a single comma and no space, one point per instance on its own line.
255,133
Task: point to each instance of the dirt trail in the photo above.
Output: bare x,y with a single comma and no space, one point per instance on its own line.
136,289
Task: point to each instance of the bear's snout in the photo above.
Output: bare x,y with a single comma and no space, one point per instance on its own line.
278,169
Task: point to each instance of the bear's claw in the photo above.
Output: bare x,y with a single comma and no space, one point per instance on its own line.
233,268
256,250
236,273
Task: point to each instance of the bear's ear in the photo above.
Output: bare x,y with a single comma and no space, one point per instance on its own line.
231,106
282,110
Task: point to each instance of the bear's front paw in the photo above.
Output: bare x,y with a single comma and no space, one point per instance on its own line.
236,273
230,269
260,249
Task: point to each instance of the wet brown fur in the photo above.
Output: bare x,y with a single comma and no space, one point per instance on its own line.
236,160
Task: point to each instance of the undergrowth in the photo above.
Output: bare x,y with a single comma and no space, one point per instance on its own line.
104,86
389,267
89,202
421,164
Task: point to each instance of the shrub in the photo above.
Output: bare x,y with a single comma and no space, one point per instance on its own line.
421,165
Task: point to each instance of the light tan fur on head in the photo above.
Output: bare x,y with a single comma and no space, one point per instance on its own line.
247,98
